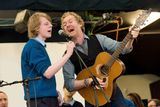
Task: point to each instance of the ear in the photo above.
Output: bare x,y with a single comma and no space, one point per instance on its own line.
80,24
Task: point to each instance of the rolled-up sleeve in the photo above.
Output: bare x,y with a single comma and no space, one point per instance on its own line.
39,60
110,45
69,77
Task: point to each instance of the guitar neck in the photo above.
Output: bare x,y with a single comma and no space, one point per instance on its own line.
140,21
119,49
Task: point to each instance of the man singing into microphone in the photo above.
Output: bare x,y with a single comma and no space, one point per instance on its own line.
35,62
88,48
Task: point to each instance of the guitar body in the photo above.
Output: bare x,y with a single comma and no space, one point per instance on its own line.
113,73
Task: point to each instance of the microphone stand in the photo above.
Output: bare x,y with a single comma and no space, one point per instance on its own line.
25,83
95,81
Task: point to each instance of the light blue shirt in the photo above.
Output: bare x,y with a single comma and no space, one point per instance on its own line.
40,41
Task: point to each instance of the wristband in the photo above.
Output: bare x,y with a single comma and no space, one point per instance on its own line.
86,82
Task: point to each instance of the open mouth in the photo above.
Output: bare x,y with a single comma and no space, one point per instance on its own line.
49,31
70,30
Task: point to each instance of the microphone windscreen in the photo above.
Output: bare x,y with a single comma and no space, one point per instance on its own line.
60,32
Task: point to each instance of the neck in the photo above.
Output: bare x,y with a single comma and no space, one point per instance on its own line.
42,38
79,39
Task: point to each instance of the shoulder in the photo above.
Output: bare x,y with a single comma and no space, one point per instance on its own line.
101,36
32,43
104,38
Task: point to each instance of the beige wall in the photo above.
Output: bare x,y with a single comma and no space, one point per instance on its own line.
137,83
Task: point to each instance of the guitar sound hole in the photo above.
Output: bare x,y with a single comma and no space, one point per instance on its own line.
104,79
104,69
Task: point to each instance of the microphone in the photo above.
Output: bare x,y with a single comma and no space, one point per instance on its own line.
62,33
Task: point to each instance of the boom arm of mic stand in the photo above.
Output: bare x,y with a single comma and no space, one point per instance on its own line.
22,81
15,82
25,83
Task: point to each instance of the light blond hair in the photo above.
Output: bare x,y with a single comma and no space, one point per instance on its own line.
34,23
3,92
77,17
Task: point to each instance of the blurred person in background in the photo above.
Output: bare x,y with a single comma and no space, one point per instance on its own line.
68,99
154,103
136,99
3,99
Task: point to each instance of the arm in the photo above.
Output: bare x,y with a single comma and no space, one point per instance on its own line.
134,34
110,45
107,43
69,78
53,69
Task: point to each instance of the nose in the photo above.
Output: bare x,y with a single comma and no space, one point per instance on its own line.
4,102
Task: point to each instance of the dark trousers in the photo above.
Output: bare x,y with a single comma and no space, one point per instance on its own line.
44,102
76,104
117,99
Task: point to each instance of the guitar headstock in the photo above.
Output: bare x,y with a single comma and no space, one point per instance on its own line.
142,18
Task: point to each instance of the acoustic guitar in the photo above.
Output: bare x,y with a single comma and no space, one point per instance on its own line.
108,66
